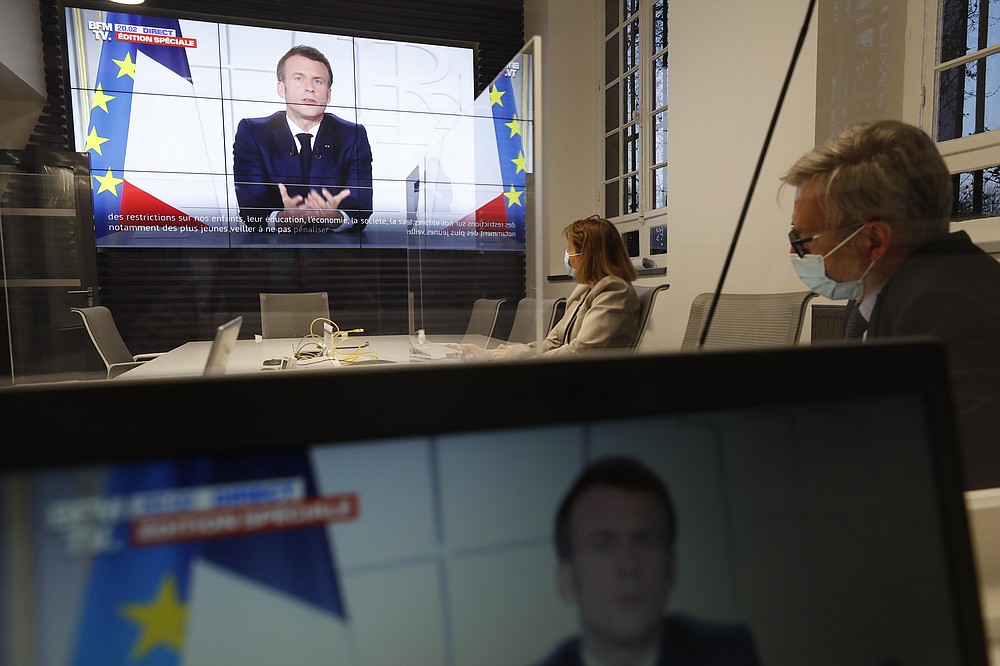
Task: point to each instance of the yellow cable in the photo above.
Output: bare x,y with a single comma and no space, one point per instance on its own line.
353,354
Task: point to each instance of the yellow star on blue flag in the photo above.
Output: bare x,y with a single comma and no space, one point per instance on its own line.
513,197
160,621
109,183
496,95
94,141
126,67
520,162
514,125
101,99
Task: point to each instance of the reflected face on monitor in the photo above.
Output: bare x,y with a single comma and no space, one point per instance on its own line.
622,564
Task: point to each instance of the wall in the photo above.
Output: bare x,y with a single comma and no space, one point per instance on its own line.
723,93
21,43
22,81
571,146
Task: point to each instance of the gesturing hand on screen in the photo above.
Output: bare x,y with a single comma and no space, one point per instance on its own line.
317,207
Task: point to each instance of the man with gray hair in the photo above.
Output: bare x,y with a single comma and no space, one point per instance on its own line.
870,224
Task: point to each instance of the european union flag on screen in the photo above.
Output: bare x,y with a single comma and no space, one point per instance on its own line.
504,212
508,129
140,588
144,125
111,109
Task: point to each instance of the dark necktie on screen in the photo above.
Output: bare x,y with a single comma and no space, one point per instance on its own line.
305,155
856,324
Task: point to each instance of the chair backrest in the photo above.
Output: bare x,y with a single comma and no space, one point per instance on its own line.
558,310
290,315
222,347
747,320
483,320
104,334
526,316
647,296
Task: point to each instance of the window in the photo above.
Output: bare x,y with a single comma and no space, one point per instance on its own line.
635,107
966,85
658,239
631,239
977,193
969,68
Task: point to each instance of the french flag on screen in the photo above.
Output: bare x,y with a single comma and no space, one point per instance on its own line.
144,125
503,163
215,561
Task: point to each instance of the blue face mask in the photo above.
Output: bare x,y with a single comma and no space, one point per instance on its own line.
569,269
811,269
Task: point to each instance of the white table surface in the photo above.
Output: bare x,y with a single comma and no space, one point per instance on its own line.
249,355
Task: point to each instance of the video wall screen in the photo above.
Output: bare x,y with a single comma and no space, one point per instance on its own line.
192,137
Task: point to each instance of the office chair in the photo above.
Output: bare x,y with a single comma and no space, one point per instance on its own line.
747,320
108,341
647,297
482,321
290,315
523,328
558,310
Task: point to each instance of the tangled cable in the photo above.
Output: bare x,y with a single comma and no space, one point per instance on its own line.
343,350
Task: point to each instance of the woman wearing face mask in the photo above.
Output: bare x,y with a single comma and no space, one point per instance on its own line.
603,310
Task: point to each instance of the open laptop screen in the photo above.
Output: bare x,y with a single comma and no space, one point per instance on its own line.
827,526
222,346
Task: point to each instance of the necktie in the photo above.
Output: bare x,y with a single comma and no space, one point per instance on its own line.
305,155
856,324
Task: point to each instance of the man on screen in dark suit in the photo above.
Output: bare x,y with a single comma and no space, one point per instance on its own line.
303,169
615,533
871,224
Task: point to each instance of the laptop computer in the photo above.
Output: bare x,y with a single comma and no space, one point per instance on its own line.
222,347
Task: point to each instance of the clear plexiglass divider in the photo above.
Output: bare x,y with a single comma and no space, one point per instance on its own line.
475,202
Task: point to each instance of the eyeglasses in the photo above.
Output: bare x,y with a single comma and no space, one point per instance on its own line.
799,244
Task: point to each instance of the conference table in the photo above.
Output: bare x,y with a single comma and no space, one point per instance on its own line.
271,354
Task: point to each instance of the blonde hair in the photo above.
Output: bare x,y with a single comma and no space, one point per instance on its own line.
602,250
884,170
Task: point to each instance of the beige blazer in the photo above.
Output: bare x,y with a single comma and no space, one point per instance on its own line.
600,317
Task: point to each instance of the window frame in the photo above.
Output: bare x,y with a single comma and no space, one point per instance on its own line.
965,153
643,66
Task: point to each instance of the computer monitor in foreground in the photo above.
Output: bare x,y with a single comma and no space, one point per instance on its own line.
405,514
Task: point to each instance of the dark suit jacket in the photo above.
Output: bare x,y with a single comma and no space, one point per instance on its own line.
687,641
950,289
265,153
